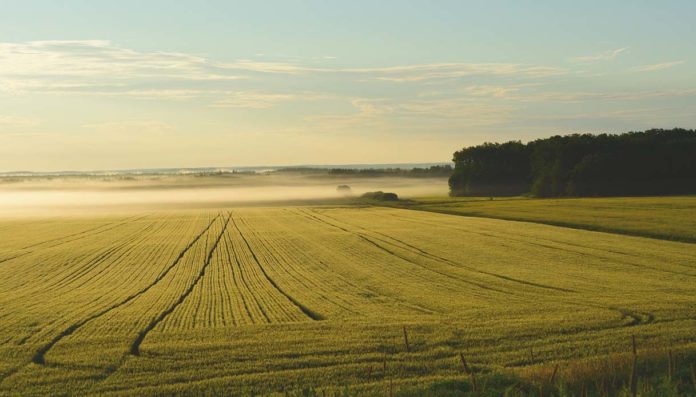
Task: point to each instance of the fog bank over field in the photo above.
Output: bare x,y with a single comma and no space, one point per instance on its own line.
22,197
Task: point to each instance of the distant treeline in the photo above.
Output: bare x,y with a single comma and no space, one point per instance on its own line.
653,162
432,171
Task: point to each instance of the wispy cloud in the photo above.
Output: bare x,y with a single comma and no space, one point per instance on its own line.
100,68
7,121
462,94
649,114
96,58
248,65
414,73
403,73
369,113
603,56
96,66
605,96
31,65
252,100
510,91
130,127
266,99
657,66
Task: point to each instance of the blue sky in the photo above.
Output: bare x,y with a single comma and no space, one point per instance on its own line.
97,84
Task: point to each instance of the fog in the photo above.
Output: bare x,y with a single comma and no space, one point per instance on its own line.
81,195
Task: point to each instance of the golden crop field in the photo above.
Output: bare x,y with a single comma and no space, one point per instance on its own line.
670,218
259,300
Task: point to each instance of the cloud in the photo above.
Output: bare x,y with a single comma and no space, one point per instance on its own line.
649,114
373,113
605,96
267,67
81,66
497,91
99,67
603,56
265,99
403,73
96,58
657,66
252,100
415,73
131,127
165,93
7,121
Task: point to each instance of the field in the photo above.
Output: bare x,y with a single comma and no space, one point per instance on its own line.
669,218
259,300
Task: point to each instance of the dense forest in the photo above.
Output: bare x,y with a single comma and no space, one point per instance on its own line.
653,162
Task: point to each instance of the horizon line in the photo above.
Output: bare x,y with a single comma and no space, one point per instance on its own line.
231,168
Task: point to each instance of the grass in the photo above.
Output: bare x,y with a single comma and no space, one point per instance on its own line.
670,218
350,300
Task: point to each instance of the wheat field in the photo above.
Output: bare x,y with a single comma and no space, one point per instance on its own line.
263,300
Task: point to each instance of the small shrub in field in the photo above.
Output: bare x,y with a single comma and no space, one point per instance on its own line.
381,196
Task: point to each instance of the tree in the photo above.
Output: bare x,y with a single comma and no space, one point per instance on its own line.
636,163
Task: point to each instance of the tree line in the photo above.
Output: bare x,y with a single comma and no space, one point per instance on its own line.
652,162
434,171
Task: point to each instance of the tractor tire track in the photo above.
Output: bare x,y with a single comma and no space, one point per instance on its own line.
39,356
112,255
304,309
82,234
361,288
390,252
105,228
94,261
636,317
551,247
135,346
438,258
301,279
243,282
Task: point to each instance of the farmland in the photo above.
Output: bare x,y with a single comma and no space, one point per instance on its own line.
270,299
668,218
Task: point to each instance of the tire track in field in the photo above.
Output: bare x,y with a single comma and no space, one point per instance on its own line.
116,250
78,270
637,318
243,281
112,224
39,356
135,346
390,252
104,269
556,248
304,309
441,259
361,289
82,234
283,254
55,286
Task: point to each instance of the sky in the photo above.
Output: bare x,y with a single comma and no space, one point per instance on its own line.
93,85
